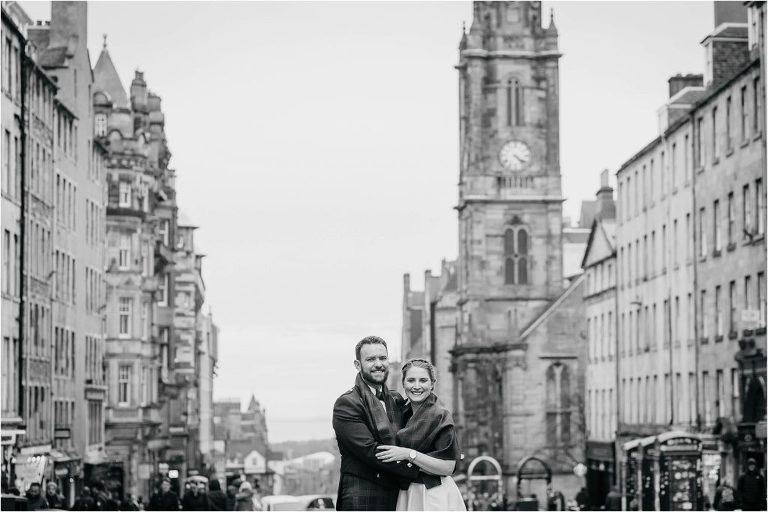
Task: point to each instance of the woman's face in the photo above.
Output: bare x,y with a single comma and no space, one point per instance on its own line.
417,384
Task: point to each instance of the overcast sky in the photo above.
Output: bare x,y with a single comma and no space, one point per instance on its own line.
316,148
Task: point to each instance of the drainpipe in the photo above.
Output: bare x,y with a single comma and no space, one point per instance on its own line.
696,312
23,221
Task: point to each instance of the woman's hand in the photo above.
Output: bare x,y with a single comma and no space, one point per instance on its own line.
388,453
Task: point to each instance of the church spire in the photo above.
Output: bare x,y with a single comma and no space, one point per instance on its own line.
552,29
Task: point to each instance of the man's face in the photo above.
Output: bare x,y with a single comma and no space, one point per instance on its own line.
51,488
751,466
373,364
165,486
34,490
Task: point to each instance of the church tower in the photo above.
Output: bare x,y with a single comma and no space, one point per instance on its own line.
510,213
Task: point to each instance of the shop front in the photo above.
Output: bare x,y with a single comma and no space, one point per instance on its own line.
8,445
664,472
66,473
601,470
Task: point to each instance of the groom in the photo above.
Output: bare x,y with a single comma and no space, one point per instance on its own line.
366,416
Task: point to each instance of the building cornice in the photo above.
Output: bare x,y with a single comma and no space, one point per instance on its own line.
510,54
510,199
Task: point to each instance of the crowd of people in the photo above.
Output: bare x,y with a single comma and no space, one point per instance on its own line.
240,495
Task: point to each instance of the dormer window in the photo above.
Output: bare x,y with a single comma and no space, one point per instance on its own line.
100,125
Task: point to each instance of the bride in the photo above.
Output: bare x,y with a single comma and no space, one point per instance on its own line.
427,440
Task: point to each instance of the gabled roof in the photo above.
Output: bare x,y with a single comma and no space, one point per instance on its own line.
107,80
605,228
552,307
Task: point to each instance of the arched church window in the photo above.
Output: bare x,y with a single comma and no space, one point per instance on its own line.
516,256
514,103
558,404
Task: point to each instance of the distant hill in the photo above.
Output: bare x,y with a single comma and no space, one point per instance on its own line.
293,449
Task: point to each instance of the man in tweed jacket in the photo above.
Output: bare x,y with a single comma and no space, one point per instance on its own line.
366,416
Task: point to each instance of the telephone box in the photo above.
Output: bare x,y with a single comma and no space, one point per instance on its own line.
631,477
680,486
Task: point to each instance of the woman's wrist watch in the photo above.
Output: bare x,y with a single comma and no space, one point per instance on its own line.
412,455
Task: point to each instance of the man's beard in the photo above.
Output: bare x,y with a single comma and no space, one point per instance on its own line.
371,379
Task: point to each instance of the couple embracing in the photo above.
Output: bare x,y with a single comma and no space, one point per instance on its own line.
396,453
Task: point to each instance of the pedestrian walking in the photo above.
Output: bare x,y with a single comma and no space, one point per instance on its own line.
232,494
751,488
217,500
52,496
613,499
85,501
195,498
725,496
582,499
164,498
35,500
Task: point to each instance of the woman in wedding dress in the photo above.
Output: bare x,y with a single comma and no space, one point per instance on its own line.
428,440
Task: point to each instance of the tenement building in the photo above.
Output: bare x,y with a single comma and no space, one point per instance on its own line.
133,412
53,259
599,263
691,281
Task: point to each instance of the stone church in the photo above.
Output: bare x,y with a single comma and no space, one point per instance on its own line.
514,349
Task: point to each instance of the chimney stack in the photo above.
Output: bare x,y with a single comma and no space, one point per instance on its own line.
606,206
679,82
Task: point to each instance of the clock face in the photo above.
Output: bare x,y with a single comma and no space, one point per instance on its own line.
514,155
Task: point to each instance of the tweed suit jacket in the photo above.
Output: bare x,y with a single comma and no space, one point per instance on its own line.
366,483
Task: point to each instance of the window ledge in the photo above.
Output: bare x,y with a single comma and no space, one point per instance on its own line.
677,266
733,335
702,258
744,143
757,136
703,340
748,332
729,152
731,247
716,253
674,190
760,330
715,160
700,170
718,338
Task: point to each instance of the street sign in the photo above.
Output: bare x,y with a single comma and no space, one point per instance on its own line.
750,318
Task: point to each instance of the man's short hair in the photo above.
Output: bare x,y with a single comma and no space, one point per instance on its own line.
369,340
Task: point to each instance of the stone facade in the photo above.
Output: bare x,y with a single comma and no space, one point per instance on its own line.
691,255
518,362
599,263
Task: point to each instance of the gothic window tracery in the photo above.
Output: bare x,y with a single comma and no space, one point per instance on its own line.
558,404
516,241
